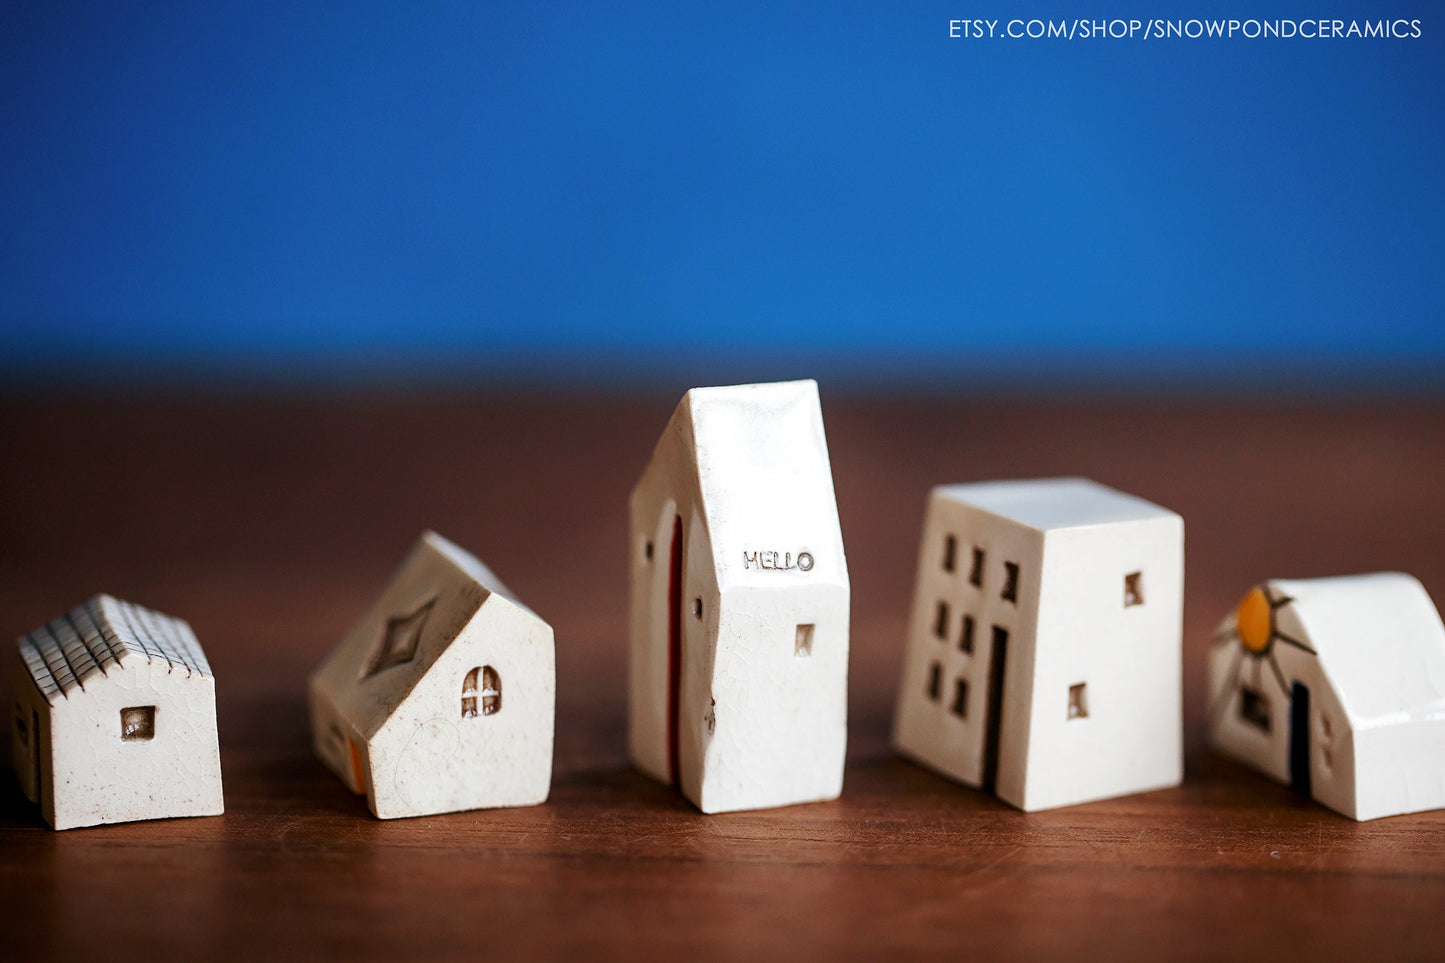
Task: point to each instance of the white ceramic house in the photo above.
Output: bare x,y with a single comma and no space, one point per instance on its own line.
443,697
1336,686
115,718
738,661
1043,658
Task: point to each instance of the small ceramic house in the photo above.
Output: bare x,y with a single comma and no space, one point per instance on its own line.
1043,659
1336,686
442,698
738,663
115,718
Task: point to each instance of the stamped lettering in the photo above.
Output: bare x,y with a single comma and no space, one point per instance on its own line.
778,561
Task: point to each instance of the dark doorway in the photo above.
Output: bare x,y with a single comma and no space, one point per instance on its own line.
1299,739
35,750
993,717
674,646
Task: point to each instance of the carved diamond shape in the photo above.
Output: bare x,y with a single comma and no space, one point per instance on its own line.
399,641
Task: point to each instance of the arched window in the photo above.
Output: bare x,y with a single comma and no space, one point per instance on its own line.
490,692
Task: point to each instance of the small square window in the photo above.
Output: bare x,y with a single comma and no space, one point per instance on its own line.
940,623
1078,701
138,723
1133,589
975,572
1010,591
960,698
966,642
935,681
803,641
1254,708
950,549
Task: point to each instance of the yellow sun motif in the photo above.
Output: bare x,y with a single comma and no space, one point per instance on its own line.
1256,631
1254,621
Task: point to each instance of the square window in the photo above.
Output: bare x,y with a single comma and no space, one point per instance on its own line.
138,723
803,641
935,681
1133,589
950,549
1078,701
966,642
940,624
960,698
1254,708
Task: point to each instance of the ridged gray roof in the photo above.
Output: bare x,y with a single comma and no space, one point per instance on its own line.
77,649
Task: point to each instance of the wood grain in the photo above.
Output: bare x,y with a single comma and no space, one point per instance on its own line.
269,522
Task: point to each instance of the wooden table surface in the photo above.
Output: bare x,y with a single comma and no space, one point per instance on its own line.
269,523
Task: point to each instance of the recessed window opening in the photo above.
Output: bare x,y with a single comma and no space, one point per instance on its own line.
966,642
1010,591
940,623
647,551
803,641
975,572
1078,701
481,689
1133,589
1254,708
960,698
950,549
935,681
138,723
697,608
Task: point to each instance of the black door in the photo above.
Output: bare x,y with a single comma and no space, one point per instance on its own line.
1299,739
993,718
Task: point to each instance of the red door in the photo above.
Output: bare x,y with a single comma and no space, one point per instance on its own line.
674,646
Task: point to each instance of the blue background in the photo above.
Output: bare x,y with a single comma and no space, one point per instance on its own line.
252,184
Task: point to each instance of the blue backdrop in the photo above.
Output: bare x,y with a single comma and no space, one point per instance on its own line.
230,181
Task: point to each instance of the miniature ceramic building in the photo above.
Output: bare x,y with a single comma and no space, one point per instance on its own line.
738,663
1336,686
1043,658
115,718
442,698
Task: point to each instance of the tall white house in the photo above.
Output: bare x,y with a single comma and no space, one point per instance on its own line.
1043,652
1336,687
738,653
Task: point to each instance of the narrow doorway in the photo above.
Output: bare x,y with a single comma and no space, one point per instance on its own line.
1299,738
35,750
993,710
674,647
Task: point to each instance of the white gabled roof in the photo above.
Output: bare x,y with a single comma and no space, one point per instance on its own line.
69,653
1379,639
1045,504
761,457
